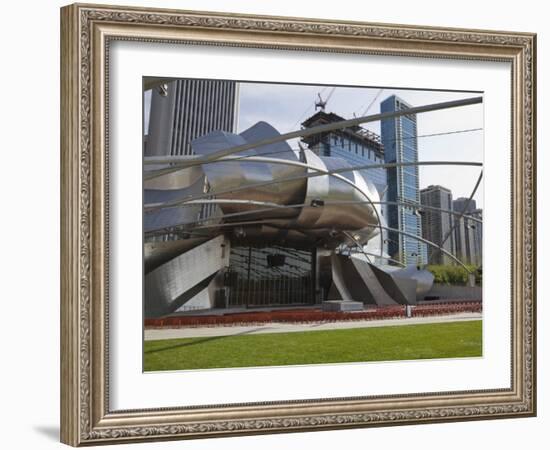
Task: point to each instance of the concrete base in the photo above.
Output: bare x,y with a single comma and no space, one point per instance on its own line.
341,305
444,291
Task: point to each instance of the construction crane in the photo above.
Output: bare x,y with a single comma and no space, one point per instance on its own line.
321,104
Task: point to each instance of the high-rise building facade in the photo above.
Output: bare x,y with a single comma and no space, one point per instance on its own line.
437,223
399,137
356,145
185,109
468,232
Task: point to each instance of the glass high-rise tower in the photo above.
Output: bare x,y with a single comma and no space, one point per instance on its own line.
356,145
399,137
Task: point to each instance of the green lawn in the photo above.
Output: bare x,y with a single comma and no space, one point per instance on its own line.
439,340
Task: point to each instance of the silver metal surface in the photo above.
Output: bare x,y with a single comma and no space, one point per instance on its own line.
157,253
351,216
267,195
171,284
424,279
356,279
310,174
179,179
243,180
242,184
170,217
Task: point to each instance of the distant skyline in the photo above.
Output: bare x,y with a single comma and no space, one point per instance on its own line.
286,106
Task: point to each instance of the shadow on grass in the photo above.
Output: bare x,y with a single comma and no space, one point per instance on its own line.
201,341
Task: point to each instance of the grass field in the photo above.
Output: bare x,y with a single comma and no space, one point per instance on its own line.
438,340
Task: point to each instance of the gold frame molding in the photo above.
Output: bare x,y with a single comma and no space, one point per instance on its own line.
86,31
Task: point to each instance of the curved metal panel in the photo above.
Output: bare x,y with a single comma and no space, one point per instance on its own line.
165,287
356,280
317,189
170,217
289,191
224,176
179,179
349,216
157,253
424,279
326,188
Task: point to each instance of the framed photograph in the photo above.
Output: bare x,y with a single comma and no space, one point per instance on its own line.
276,224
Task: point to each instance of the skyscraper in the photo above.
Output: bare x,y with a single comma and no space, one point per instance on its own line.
469,233
476,229
399,137
183,110
437,225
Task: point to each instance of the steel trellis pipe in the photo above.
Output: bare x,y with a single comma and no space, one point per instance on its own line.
274,206
430,243
319,172
461,216
334,126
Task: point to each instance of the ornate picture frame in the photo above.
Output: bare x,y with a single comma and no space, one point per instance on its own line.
87,31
